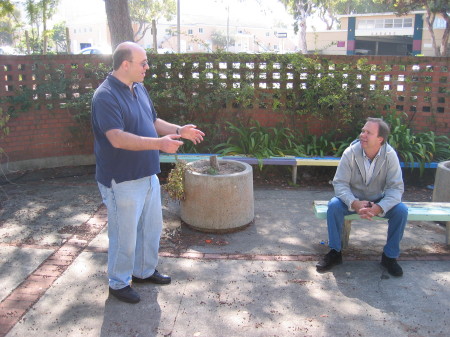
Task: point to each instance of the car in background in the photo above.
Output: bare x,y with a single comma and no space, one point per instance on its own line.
165,51
7,50
94,50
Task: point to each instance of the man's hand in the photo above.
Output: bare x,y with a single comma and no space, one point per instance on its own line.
190,131
366,209
169,143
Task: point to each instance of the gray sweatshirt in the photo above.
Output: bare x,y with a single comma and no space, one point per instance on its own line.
386,184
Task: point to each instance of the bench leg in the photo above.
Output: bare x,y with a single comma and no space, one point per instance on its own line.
346,233
447,239
294,174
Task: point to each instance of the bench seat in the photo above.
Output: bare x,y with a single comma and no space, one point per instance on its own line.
417,211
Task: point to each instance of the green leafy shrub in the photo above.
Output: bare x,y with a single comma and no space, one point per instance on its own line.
256,141
423,147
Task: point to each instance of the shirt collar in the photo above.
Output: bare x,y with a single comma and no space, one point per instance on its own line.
119,83
367,158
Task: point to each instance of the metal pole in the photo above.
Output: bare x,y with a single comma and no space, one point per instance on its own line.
178,27
228,27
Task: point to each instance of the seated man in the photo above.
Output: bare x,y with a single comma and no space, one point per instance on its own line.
368,181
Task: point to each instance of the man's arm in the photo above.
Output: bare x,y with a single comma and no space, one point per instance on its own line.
128,141
188,131
394,187
342,177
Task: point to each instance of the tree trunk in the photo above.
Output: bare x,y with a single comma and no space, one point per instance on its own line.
446,35
429,19
44,23
119,21
155,37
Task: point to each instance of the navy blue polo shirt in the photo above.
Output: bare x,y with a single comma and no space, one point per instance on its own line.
114,106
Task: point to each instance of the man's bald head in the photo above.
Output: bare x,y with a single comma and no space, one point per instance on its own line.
124,51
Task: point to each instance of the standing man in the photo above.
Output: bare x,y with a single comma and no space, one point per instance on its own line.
126,146
368,181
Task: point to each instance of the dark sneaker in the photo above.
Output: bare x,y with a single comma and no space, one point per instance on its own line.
329,260
156,278
391,265
126,294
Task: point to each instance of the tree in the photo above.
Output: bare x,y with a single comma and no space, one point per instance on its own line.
38,13
220,41
9,22
58,36
143,12
6,8
301,10
328,10
433,8
119,21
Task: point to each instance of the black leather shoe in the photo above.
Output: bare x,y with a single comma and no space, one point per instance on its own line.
391,265
126,294
156,278
332,258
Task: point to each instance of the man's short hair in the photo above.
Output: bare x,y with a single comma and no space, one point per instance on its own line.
383,128
121,54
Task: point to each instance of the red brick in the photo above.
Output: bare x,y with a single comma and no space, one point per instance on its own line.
191,255
49,270
18,296
18,307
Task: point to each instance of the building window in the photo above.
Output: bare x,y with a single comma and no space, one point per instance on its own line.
190,31
439,23
398,23
379,24
386,23
407,22
200,30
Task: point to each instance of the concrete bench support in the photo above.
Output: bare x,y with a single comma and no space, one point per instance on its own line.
417,211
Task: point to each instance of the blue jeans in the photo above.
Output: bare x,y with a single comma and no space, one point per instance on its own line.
397,217
134,228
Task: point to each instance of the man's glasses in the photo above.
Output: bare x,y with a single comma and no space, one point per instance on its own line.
142,64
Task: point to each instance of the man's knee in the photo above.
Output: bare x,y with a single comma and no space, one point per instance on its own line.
335,204
401,209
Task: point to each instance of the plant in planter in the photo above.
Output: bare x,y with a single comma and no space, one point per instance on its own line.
216,195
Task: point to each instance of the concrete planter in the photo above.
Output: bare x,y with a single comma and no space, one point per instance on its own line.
441,192
218,203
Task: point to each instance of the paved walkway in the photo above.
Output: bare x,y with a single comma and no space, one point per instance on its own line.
260,281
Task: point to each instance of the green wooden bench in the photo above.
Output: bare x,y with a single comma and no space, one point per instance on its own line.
417,211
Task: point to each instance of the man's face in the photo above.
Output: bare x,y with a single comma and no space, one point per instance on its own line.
369,137
138,65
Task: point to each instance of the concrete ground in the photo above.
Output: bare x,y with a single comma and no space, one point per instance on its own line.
260,281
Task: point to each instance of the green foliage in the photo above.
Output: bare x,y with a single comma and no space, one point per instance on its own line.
314,146
215,88
256,141
144,11
341,94
423,147
264,142
175,181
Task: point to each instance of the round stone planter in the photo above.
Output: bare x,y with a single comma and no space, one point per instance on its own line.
441,191
218,203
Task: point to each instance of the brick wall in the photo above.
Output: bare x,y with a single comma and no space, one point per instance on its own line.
420,87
